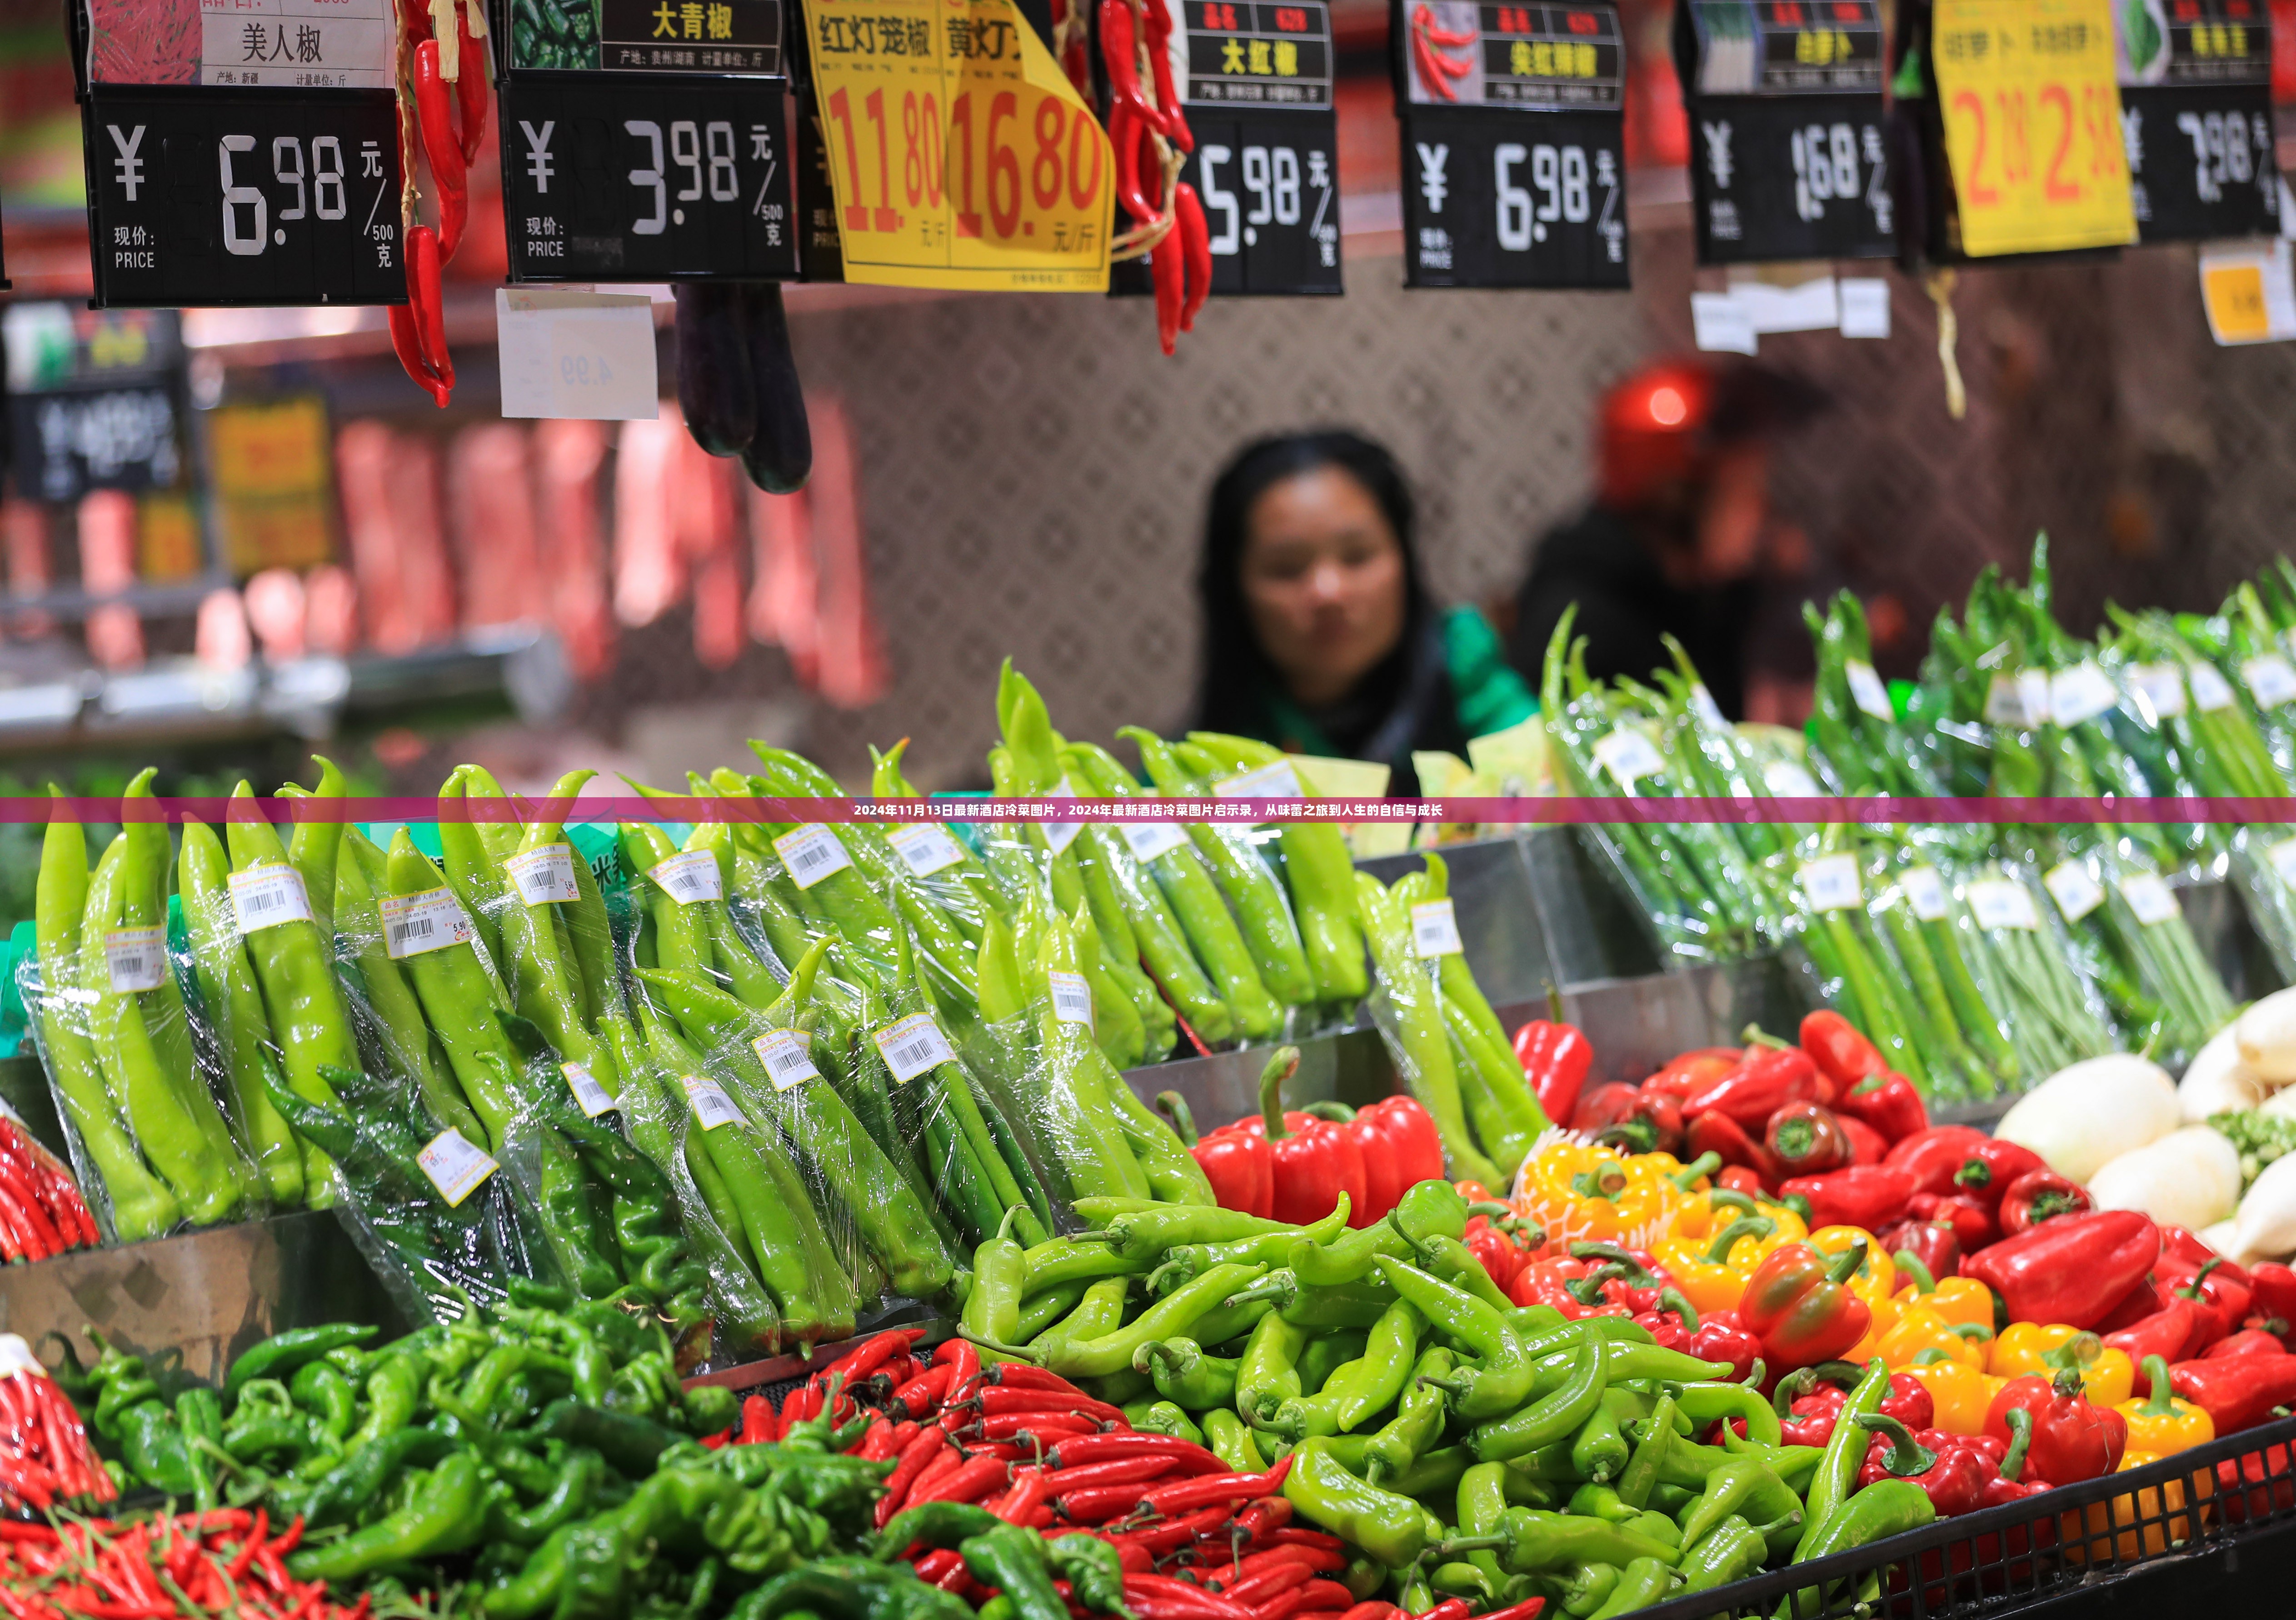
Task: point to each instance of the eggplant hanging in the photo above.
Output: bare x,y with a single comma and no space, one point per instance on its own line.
737,381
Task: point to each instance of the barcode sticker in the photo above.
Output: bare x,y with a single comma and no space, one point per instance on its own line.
1788,780
927,847
1435,930
413,924
2211,690
2149,897
2081,693
1866,690
1629,756
1702,705
1924,891
1151,839
812,853
690,877
455,1167
2163,687
1830,882
913,1046
1275,781
545,876
788,1057
1060,834
588,1094
1072,997
2283,857
264,897
2269,679
135,957
708,1099
1995,902
2076,892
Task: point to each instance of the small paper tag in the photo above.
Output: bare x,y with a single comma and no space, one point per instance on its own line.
1435,930
1925,889
1721,322
788,1057
811,853
413,924
2076,892
456,1168
1151,839
1995,902
1866,690
2081,693
589,356
2269,679
1788,780
2163,687
1865,306
2283,857
2033,690
545,876
2211,690
589,1096
267,896
708,1099
927,848
1702,705
2005,701
1830,882
135,957
2149,897
1060,834
912,1046
690,877
1629,756
1275,781
1072,997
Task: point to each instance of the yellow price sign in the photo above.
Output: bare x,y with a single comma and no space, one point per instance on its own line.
959,154
2032,125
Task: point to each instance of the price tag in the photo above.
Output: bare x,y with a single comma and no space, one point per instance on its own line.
456,1168
2269,679
1866,690
1629,756
2033,692
545,876
1276,781
2248,292
710,1104
414,923
2163,687
958,152
811,853
1060,834
2075,891
575,355
263,897
589,1096
1997,902
2211,690
913,1046
1830,883
2196,113
1925,889
2283,857
2081,693
1151,839
927,848
135,959
788,1057
1072,997
2004,702
1435,931
690,877
2149,897
1788,780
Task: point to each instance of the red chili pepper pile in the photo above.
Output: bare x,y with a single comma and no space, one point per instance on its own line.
45,1457
223,1562
41,1211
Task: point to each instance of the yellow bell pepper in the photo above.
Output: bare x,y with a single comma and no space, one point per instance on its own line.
1885,1316
1963,1299
2165,1424
1711,1276
1920,1327
1704,1215
2108,1377
2081,1534
1591,1195
1877,1278
1960,1393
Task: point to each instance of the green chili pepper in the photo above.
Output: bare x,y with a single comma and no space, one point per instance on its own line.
1886,1508
1168,1317
1644,1580
1232,1441
1098,1312
1430,1209
1844,1454
1433,1076
1554,1417
1745,1486
1641,1475
1708,1401
1731,1551
1534,1542
282,1355
1185,1375
1418,1421
1501,1380
1268,1374
1366,1385
444,1516
327,1395
1390,1527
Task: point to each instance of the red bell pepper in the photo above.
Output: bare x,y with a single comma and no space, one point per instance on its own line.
2219,1292
2168,1333
1868,1196
2038,1196
1797,1302
2237,1391
1689,1073
1314,1160
2143,1301
1840,1054
2272,1291
1718,1337
1868,1146
1932,1243
1991,1166
1240,1166
1718,1133
1806,1140
1888,1102
2072,1270
1548,1282
2072,1439
2254,1484
1809,1400
1972,1223
1765,1081
1935,1156
1950,1473
1739,1179
2248,1341
1500,1256
1398,1145
1555,1056
1628,1117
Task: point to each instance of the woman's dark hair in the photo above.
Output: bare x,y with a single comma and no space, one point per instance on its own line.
1236,672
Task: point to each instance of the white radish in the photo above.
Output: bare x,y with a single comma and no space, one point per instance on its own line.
2266,1033
2088,1114
2189,1178
2266,1227
2223,1237
2218,1082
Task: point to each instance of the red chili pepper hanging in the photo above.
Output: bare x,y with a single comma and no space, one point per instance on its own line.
470,85
1196,252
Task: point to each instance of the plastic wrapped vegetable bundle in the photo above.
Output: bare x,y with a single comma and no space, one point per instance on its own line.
2054,1016
1410,1014
2130,934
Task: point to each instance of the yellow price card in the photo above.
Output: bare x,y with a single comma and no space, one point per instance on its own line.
2032,125
958,152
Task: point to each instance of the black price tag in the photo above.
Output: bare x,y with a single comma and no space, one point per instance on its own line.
242,197
625,180
1514,145
2196,118
96,400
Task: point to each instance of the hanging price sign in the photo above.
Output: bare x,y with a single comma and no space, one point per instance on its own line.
2196,118
958,154
2031,107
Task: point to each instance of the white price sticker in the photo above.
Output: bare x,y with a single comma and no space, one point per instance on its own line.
2081,693
1276,781
413,924
1702,705
2163,687
927,847
1060,834
2211,690
912,1046
137,958
1866,690
2076,892
1830,882
2283,857
1072,997
710,1104
545,876
589,1096
1151,839
2033,691
1435,931
812,853
1924,891
2149,897
2005,701
2269,679
1629,756
689,878
456,1168
264,897
578,354
1787,780
788,1057
1995,902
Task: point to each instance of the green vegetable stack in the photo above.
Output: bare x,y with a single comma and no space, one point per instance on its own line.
554,33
